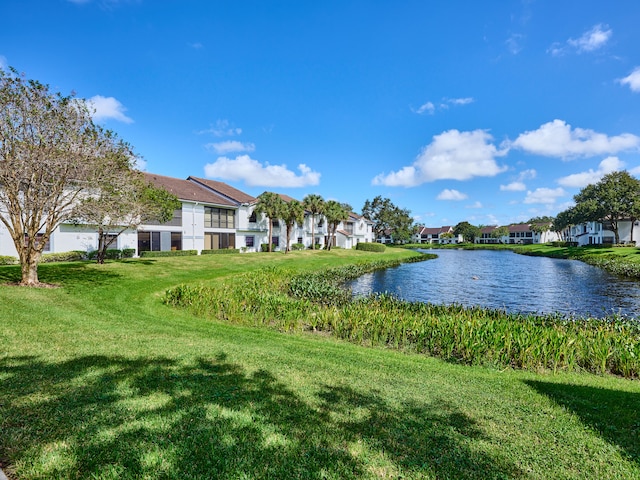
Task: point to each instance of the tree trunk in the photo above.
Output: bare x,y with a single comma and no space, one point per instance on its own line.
313,232
270,235
101,247
30,270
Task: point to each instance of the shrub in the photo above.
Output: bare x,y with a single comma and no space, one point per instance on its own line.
371,247
264,247
72,256
7,260
220,251
297,246
128,252
168,253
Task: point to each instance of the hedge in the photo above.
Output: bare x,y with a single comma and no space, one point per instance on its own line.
7,260
371,247
221,251
72,256
169,253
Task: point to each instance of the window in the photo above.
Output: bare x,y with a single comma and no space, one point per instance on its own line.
299,239
253,218
276,223
219,217
249,241
219,241
47,246
176,220
349,228
111,240
156,241
275,241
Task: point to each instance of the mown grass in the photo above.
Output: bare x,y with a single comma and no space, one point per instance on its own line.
99,379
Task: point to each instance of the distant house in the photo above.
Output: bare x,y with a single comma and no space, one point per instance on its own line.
485,235
598,233
519,233
439,235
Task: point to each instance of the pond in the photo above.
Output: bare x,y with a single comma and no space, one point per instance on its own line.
507,281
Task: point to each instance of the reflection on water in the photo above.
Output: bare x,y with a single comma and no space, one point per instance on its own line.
505,280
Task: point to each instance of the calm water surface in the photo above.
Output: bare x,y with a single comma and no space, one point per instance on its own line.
507,281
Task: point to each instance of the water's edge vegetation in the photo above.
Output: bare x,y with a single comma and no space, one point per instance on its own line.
276,297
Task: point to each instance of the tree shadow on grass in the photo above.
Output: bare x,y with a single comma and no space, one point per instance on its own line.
62,274
614,414
113,417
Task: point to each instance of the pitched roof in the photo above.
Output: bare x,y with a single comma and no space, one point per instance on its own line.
186,190
519,227
434,230
488,229
224,189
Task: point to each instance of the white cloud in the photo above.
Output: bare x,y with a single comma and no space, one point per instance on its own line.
519,185
444,104
514,43
592,39
222,128
633,80
475,205
579,180
108,108
230,146
451,155
3,62
426,108
544,195
513,187
448,194
255,174
558,139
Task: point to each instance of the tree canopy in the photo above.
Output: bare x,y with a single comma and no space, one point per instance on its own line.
271,206
614,198
52,158
314,204
335,212
469,232
292,213
387,216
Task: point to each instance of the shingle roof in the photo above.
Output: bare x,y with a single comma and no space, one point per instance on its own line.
186,190
224,189
520,227
434,230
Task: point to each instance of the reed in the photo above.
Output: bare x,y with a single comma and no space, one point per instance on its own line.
278,298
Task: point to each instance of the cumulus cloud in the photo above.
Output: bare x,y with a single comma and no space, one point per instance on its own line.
513,187
544,195
108,108
230,146
449,194
633,80
590,41
582,179
451,155
255,174
559,139
222,128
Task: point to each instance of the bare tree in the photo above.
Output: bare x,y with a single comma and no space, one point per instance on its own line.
124,203
52,157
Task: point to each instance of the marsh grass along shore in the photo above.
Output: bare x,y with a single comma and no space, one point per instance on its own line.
101,379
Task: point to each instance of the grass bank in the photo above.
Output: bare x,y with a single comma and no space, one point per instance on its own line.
99,379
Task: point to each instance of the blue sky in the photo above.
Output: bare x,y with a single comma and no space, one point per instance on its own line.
490,112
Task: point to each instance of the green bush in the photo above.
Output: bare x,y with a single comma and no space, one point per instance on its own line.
370,247
73,256
297,246
264,247
7,260
128,252
220,251
168,253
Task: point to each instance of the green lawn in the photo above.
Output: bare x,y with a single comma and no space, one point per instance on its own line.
99,379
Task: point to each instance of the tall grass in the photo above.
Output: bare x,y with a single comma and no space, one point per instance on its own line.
277,298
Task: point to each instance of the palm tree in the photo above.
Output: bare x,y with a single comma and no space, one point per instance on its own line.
271,205
335,213
292,213
315,205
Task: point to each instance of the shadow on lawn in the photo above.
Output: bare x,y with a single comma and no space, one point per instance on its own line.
62,274
100,417
614,414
